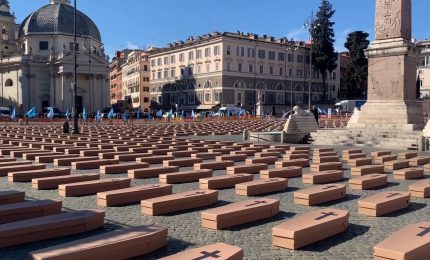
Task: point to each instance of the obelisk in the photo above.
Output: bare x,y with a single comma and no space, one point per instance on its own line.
392,103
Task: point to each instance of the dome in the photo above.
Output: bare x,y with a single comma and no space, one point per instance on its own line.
58,18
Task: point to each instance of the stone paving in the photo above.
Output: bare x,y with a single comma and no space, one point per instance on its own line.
185,229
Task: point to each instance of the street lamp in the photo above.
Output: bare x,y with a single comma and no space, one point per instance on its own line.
75,84
310,24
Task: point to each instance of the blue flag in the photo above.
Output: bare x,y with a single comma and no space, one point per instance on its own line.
50,114
13,114
138,114
110,115
125,116
68,115
170,113
320,111
84,114
193,114
31,113
159,113
242,112
98,116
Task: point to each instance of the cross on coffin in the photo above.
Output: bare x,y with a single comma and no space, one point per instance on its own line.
424,232
393,195
271,180
325,215
150,187
257,202
196,193
329,187
206,254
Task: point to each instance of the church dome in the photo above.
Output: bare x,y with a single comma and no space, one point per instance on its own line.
58,18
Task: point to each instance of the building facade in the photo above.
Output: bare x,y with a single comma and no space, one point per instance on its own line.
37,64
423,68
236,69
116,97
135,80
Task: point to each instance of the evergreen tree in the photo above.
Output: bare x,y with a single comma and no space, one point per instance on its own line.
357,69
324,56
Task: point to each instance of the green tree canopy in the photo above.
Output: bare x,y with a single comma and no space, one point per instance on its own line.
324,56
357,70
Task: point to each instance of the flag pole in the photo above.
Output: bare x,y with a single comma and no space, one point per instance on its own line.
75,77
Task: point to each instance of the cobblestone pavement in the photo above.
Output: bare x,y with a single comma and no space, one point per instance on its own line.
185,229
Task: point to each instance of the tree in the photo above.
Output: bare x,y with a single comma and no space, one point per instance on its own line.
357,69
324,56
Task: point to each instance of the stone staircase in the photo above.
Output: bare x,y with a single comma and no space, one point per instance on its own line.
400,140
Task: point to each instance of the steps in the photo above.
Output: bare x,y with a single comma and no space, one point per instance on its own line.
404,140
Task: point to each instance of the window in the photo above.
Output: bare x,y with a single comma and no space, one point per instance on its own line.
299,58
191,98
159,75
281,56
251,53
261,69
199,54
44,46
272,55
153,63
145,100
8,83
299,73
333,75
216,50
72,44
199,69
166,60
166,74
207,68
172,59
153,75
290,57
281,72
191,55
207,52
190,71
308,59
181,57
159,62
290,72
251,68
228,50
228,66
172,73
271,70
261,54
240,51
217,66
145,67
239,67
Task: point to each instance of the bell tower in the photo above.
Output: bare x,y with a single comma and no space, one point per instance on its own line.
7,29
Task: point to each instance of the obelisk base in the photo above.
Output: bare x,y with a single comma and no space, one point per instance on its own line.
389,116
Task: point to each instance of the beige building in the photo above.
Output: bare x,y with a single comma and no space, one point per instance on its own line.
236,69
135,80
37,65
423,70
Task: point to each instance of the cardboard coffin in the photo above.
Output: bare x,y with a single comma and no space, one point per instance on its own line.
29,209
383,203
214,251
367,182
224,181
320,194
261,186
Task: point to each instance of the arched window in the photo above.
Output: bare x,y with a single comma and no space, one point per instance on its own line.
208,84
299,88
280,87
239,84
261,85
8,83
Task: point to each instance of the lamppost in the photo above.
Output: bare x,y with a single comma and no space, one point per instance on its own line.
75,84
292,49
310,24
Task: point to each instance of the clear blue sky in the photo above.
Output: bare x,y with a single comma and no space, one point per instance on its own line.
143,23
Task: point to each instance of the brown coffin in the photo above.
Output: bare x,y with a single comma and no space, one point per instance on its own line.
410,242
396,165
320,194
324,154
59,225
330,166
181,154
234,158
295,162
369,181
409,174
131,157
367,169
380,153
154,159
53,182
239,213
383,203
151,172
248,169
14,163
27,176
261,186
267,154
29,209
206,156
420,189
88,165
385,158
121,244
32,156
309,228
359,162
300,148
323,177
179,201
121,168
111,155
4,171
132,194
4,160
323,150
184,177
188,162
92,187
264,160
421,160
247,152
162,151
51,158
287,172
215,251
326,159
407,155
69,161
224,181
213,165
295,157
11,196
353,156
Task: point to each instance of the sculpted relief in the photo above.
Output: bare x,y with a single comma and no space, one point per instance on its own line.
393,19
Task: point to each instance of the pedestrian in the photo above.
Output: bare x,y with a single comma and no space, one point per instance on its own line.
315,112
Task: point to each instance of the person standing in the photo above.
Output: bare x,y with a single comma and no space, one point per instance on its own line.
315,112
